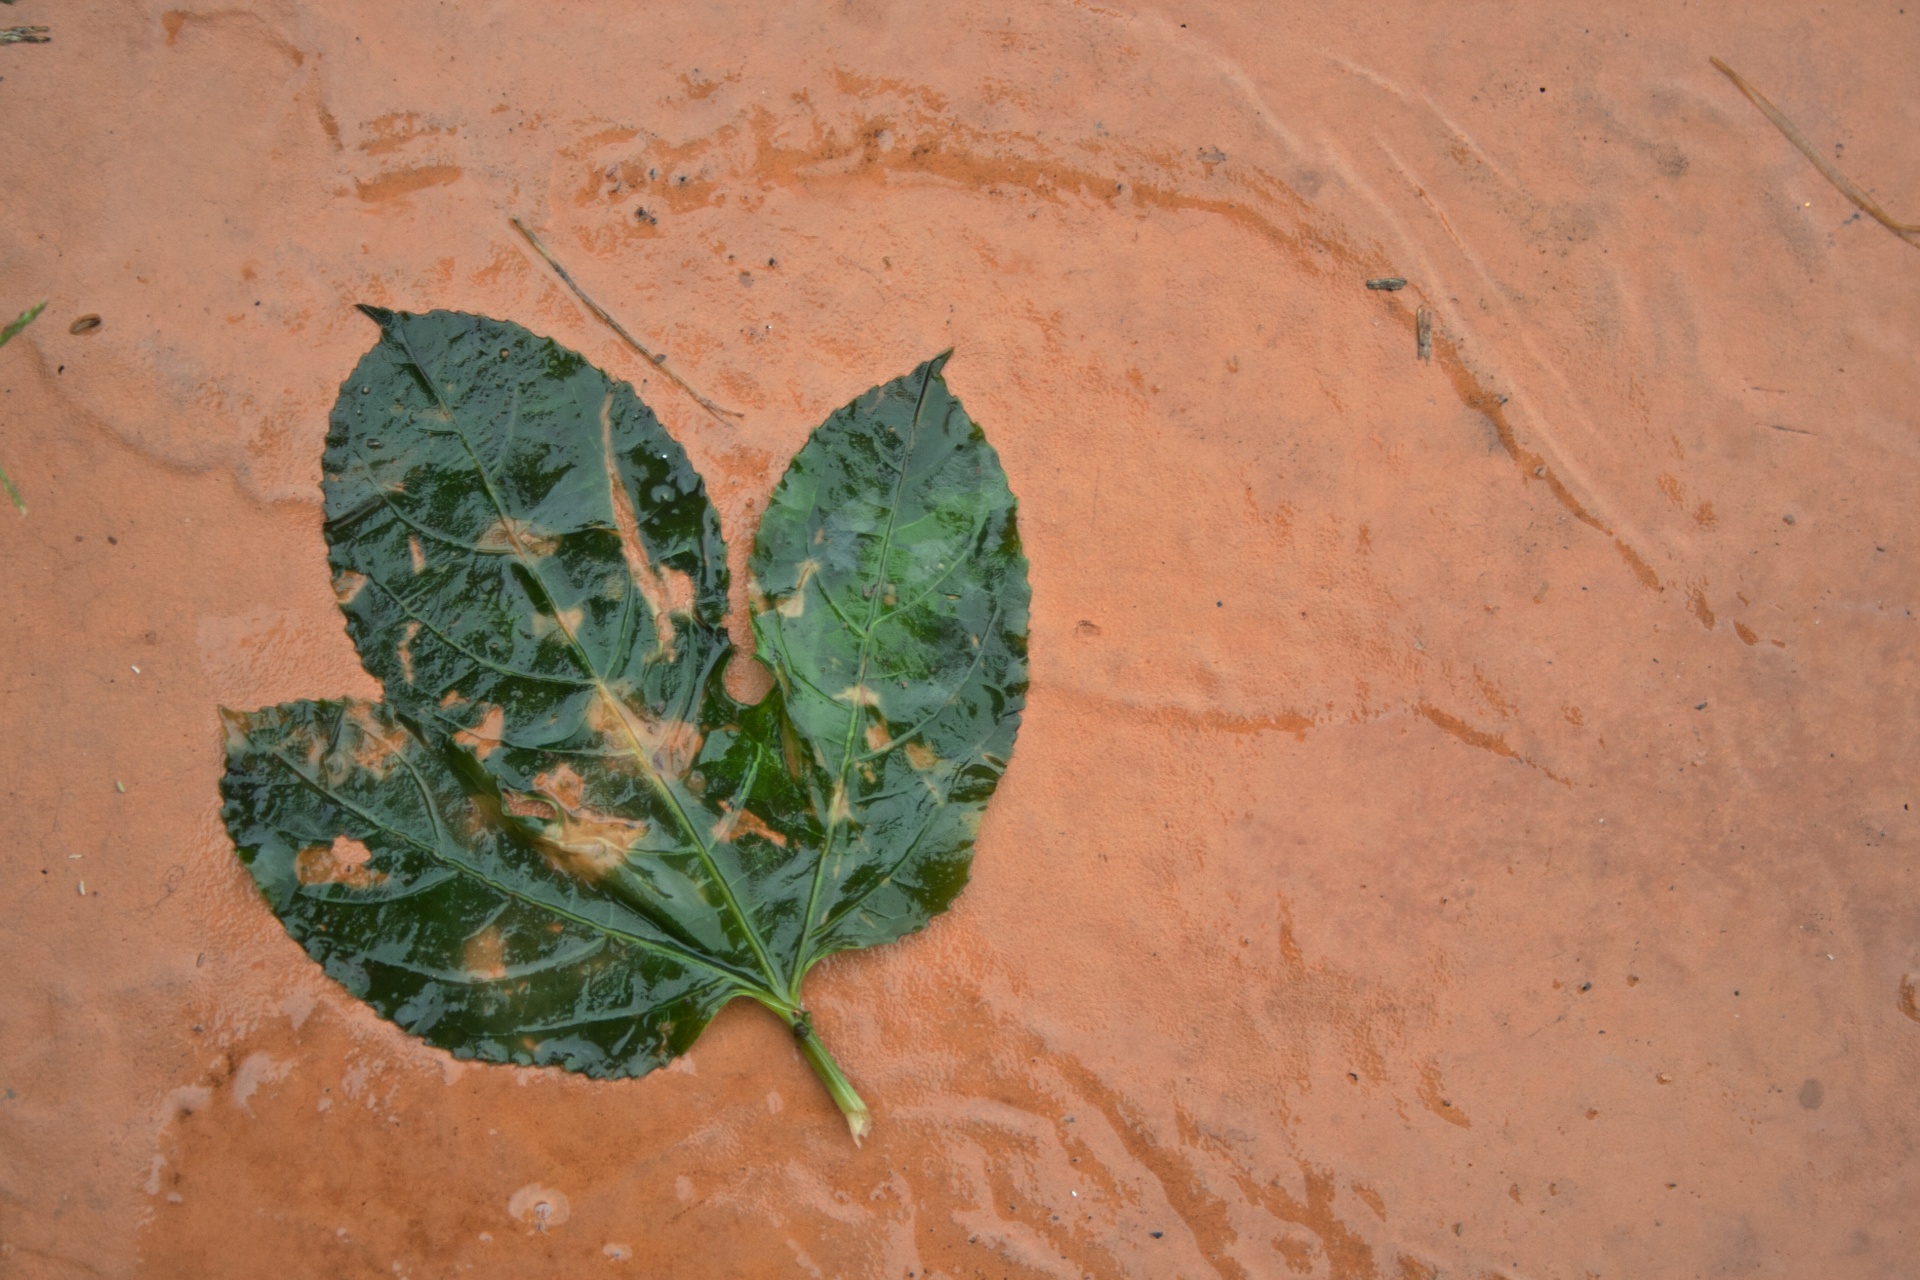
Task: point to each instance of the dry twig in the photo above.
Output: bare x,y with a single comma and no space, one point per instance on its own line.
658,362
1908,231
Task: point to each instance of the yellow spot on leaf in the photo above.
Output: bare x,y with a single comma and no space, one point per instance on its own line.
878,738
837,810
921,756
418,553
484,737
347,584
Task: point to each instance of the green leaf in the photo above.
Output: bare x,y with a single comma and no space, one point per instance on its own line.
577,845
373,854
892,600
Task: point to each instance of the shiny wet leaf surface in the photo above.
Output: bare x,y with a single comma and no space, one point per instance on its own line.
558,840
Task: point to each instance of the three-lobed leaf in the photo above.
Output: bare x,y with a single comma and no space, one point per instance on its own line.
558,839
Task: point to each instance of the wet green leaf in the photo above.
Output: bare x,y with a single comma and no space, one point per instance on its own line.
558,839
891,600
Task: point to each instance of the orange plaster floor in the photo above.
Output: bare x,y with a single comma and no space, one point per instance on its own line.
1462,822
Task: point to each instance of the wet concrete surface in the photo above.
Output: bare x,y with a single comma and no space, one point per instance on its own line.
1461,825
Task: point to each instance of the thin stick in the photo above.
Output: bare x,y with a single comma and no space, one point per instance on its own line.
1908,231
658,362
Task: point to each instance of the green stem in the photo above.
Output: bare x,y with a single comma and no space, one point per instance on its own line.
800,1022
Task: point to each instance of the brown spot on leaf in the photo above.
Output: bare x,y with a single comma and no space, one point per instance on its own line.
417,552
588,844
485,955
235,725
521,805
343,863
795,605
665,748
566,622
405,651
563,786
790,750
878,739
508,536
375,744
484,737
347,584
859,695
921,756
735,823
667,591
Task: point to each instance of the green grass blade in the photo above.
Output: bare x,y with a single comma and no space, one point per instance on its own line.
24,319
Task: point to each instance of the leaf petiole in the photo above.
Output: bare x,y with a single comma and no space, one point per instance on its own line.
852,1106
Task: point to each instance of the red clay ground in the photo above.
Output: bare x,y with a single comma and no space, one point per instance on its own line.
1461,826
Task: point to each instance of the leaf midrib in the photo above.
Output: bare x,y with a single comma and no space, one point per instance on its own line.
860,673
